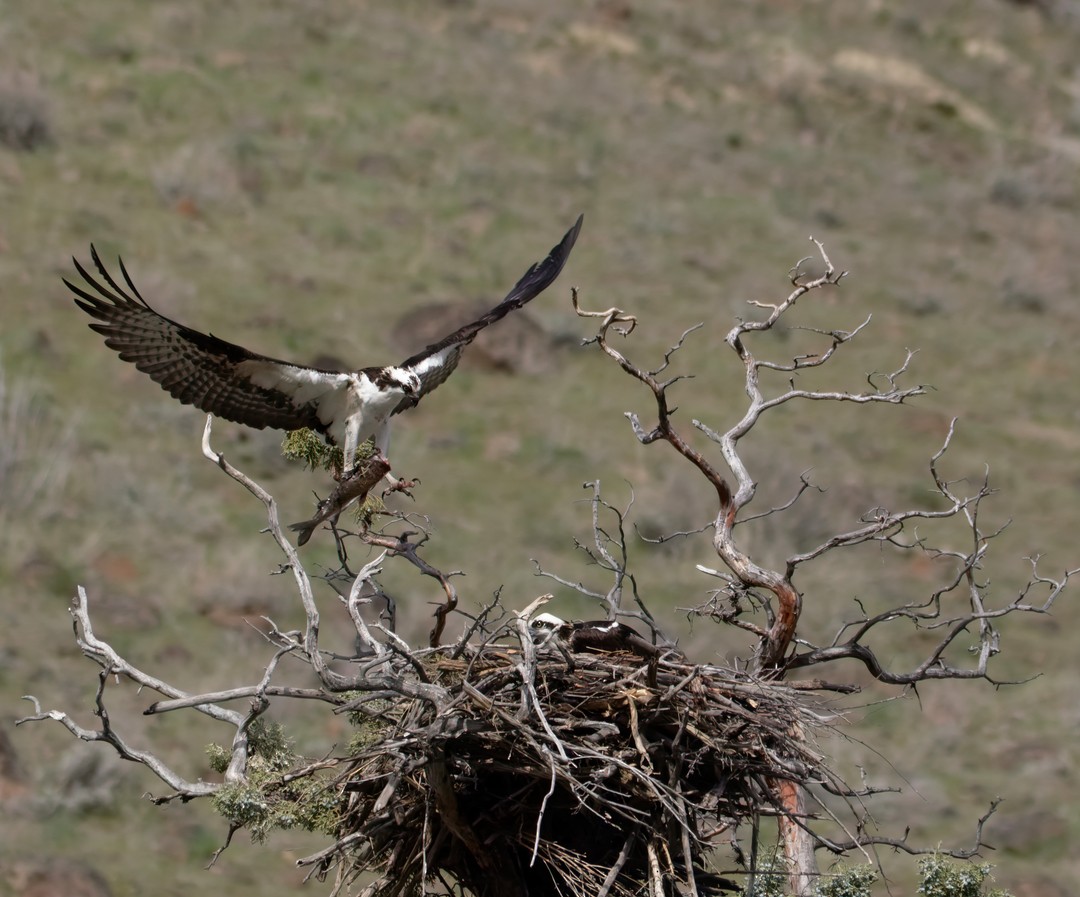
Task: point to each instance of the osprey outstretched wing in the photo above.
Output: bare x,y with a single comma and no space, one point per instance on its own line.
232,382
437,362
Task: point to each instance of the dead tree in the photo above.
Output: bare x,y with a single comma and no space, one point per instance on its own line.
493,765
954,610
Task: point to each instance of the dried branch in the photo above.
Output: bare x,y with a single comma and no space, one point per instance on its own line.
772,593
509,767
862,840
182,788
112,664
354,601
610,552
236,694
400,546
292,561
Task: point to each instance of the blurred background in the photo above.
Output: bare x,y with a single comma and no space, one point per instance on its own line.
328,179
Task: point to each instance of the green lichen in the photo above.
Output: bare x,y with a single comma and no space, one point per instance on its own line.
309,447
371,723
941,877
848,881
266,801
770,880
218,756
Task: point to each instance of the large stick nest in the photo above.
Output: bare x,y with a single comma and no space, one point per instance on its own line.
533,777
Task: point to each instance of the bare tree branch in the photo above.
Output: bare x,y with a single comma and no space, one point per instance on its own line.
746,585
498,765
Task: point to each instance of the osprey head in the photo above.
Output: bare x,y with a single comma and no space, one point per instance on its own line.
545,627
546,622
405,380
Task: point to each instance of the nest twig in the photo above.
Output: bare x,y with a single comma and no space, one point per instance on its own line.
605,777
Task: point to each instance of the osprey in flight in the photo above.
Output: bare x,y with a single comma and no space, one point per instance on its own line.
242,386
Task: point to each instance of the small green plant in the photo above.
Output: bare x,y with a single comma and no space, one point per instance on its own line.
370,725
770,880
265,801
218,756
848,881
309,447
942,877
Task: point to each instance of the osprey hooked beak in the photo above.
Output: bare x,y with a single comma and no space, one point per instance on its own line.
408,381
544,627
546,622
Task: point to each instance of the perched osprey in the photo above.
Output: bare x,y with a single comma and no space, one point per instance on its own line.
242,386
596,636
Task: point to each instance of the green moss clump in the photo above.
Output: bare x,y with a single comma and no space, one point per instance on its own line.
218,756
370,724
309,447
941,877
265,801
848,881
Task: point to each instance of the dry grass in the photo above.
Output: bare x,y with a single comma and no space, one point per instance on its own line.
25,115
344,165
38,451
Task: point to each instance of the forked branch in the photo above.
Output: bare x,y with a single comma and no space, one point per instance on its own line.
962,606
775,642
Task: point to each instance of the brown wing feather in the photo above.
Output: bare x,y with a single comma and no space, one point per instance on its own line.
197,368
437,362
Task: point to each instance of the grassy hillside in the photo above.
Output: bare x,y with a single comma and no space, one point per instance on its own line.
297,176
